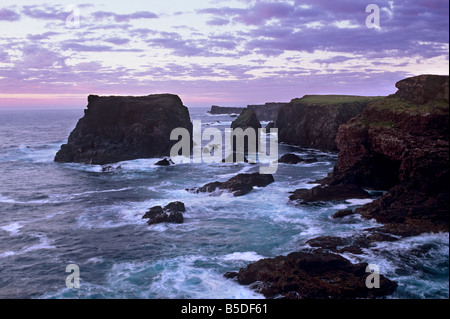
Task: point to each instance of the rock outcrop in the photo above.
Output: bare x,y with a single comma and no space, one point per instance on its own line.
225,110
403,147
313,121
334,192
423,88
171,213
247,119
239,185
316,275
118,128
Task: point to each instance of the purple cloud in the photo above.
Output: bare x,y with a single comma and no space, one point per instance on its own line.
9,15
125,17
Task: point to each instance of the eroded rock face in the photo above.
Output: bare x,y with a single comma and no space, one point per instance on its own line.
316,275
402,147
119,128
247,119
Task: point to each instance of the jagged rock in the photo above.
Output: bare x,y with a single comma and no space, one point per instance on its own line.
111,168
119,128
290,159
327,193
401,147
165,162
315,275
171,213
247,119
239,185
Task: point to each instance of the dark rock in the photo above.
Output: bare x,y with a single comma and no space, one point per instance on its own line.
290,159
343,213
119,128
327,193
247,119
305,123
175,207
239,185
225,110
403,148
171,213
353,244
316,275
230,274
165,162
152,212
269,126
268,111
111,168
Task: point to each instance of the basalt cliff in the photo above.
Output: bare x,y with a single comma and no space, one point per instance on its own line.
119,128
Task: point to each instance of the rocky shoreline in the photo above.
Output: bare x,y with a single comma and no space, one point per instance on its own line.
397,144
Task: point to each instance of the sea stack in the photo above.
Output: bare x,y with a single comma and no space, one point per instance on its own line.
119,128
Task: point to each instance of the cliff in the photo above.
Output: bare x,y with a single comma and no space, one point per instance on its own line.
401,144
118,128
313,120
268,111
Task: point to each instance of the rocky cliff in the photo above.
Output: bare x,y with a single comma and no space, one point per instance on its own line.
401,144
313,120
268,111
118,128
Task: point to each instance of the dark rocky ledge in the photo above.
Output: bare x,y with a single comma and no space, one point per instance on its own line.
311,275
239,185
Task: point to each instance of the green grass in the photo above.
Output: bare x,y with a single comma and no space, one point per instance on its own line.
399,105
338,99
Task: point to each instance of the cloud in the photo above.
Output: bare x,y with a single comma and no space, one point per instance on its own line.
9,15
124,17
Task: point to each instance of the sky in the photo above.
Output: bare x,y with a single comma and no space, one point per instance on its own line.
210,52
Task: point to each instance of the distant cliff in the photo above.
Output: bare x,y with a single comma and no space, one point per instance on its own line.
225,110
118,128
313,120
268,111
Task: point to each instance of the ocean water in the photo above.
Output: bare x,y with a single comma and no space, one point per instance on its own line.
53,215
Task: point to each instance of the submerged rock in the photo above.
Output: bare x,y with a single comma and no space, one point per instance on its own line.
311,275
165,162
120,128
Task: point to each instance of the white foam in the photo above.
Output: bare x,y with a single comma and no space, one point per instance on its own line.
245,256
102,191
44,243
4,199
7,254
356,201
12,228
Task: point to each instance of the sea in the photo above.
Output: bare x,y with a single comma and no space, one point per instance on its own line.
54,215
